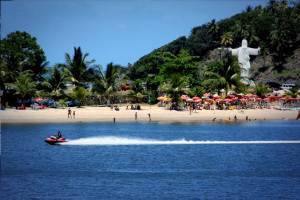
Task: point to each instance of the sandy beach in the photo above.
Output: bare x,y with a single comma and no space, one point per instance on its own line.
158,114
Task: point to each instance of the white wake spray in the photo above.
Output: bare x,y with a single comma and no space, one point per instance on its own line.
117,141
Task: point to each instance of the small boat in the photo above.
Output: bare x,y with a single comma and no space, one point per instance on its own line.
54,140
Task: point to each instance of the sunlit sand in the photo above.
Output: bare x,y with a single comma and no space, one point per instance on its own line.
157,114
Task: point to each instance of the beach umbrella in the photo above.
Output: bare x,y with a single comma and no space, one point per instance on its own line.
283,98
266,99
168,99
161,98
227,100
38,99
216,96
197,100
206,94
184,97
258,99
294,99
211,101
189,100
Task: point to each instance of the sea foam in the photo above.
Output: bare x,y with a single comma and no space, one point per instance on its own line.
113,140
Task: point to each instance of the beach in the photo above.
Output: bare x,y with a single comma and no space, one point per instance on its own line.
157,114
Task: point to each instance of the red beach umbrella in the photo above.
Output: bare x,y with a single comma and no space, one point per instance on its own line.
197,100
266,99
215,96
38,99
184,97
227,100
206,94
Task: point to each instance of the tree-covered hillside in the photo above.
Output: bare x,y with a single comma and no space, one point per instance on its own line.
275,28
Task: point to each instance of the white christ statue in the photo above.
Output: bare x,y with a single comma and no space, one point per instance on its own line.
243,53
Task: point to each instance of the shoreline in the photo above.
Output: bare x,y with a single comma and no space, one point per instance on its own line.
158,115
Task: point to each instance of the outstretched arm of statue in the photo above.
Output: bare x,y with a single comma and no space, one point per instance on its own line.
233,51
254,52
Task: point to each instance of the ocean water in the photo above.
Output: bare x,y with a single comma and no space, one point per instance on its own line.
256,160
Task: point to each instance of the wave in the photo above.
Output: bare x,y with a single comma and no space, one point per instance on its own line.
117,141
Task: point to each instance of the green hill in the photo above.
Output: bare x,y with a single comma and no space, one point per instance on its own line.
275,28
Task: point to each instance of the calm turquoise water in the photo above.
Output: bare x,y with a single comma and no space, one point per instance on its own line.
32,169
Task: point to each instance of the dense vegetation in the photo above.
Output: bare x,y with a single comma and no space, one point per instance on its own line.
189,65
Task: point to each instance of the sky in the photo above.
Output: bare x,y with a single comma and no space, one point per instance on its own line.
118,31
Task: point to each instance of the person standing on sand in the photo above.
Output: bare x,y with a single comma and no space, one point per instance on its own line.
135,116
73,114
298,117
69,113
149,116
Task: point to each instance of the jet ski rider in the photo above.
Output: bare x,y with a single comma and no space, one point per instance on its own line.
58,135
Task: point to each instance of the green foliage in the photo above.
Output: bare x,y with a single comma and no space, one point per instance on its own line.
273,28
80,94
24,85
222,74
80,68
283,34
108,83
261,89
62,103
293,92
227,39
56,83
150,64
20,52
178,75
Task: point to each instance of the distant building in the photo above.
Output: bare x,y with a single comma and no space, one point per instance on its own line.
69,88
287,86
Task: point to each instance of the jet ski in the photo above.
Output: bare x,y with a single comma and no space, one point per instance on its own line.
55,140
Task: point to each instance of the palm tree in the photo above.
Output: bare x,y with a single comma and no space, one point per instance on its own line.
226,39
174,86
79,67
24,85
222,74
107,83
57,81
